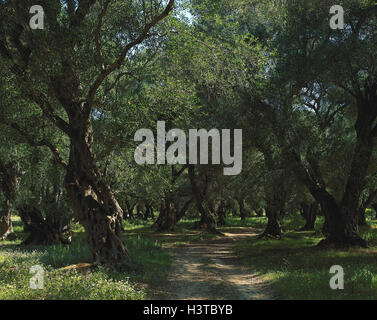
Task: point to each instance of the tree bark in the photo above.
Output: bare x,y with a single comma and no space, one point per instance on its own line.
184,209
9,182
207,221
169,215
275,217
221,214
309,213
243,213
276,192
341,219
6,227
167,219
44,231
93,203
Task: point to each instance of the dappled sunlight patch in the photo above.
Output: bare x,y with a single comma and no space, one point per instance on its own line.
80,267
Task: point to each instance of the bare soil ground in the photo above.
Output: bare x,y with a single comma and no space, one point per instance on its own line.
210,270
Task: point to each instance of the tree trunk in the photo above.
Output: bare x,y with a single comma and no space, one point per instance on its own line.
148,211
9,183
167,219
184,209
243,213
275,213
341,219
93,203
221,214
309,213
275,217
276,190
362,219
130,210
44,231
340,232
364,205
346,231
207,221
6,227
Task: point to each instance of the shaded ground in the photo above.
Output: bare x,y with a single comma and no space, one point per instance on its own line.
210,270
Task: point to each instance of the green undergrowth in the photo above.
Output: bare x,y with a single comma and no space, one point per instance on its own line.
150,263
297,269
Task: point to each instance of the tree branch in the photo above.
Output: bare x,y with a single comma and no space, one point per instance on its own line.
31,141
97,35
118,63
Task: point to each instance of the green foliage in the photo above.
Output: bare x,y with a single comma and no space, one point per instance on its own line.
61,255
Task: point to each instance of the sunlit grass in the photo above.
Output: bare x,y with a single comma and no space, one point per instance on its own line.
297,269
150,264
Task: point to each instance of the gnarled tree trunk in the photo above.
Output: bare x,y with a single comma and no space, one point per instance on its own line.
207,220
93,203
342,218
167,219
170,214
275,217
340,230
44,231
275,211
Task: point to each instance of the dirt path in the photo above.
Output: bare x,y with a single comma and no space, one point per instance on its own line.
210,270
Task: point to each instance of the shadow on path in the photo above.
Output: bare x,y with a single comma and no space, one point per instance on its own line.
210,270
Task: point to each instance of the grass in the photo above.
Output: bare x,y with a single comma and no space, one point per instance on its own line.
150,261
297,269
293,266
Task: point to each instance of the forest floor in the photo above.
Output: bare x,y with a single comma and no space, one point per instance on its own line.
192,264
210,270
